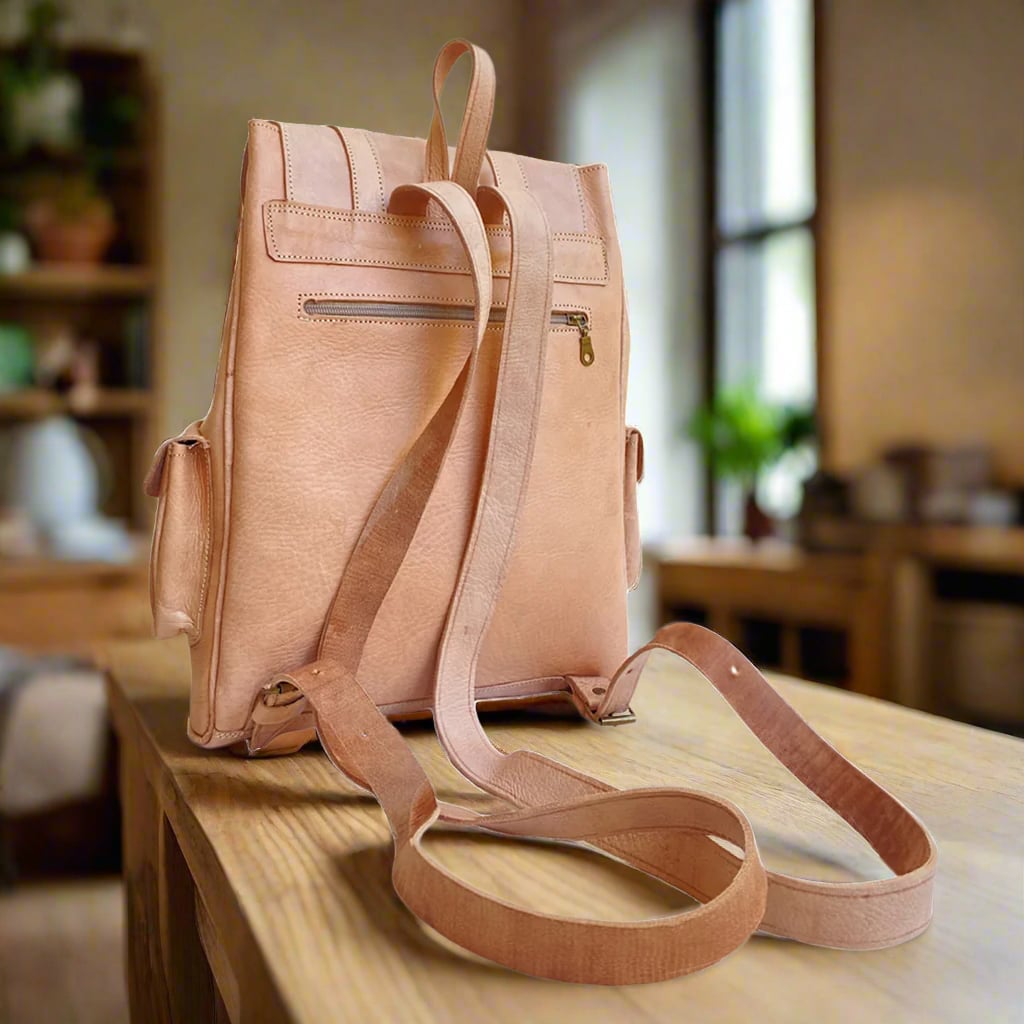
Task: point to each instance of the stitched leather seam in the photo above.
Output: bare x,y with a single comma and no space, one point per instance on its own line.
384,321
351,170
406,220
579,195
234,734
259,122
522,172
187,452
207,540
289,179
780,881
380,176
494,168
228,454
392,220
348,162
407,265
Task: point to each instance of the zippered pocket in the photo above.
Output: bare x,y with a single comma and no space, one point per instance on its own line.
428,311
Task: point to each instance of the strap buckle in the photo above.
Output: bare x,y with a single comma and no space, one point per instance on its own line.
626,717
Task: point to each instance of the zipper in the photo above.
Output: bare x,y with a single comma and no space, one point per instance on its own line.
437,311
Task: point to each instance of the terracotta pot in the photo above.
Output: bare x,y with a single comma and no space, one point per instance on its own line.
83,241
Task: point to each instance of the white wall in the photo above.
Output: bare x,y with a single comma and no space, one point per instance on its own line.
320,61
924,227
631,98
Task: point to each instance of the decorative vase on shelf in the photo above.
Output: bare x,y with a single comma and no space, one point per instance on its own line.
757,524
54,477
15,254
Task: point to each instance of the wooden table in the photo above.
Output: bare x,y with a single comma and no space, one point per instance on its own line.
260,890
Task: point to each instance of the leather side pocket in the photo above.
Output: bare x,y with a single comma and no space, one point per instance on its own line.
634,473
180,561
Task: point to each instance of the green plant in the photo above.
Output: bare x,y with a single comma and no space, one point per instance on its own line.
743,435
36,57
79,199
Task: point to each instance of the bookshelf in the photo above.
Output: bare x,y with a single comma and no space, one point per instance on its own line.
50,604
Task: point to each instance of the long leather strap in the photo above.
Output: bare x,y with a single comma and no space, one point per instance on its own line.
671,834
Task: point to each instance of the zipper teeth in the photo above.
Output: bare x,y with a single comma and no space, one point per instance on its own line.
412,311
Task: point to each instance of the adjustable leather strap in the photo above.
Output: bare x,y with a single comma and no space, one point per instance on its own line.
671,834
856,915
364,745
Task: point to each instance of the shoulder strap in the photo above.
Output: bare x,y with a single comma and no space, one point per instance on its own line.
672,834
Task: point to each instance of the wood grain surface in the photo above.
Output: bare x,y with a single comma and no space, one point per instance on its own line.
299,921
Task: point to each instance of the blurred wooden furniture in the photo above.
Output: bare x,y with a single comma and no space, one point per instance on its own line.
779,603
72,607
50,605
958,617
259,890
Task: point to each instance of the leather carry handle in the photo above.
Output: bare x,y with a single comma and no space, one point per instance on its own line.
476,120
668,833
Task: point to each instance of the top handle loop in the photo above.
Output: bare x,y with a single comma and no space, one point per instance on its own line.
476,121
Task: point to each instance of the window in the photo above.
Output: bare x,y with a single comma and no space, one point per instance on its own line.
763,231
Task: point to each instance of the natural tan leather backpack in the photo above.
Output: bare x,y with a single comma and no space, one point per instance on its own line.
414,491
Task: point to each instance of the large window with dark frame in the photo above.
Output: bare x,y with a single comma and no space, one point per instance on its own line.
764,222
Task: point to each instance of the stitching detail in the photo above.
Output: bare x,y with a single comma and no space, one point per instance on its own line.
398,220
494,168
584,220
522,171
402,323
207,540
259,122
234,734
351,166
380,175
289,180
406,220
348,161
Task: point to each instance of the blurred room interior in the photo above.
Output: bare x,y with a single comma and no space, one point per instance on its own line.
821,209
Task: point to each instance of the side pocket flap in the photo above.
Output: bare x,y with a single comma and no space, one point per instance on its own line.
180,561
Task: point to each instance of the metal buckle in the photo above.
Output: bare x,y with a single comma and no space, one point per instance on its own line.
618,718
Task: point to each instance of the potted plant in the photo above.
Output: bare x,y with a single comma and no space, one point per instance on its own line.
70,221
742,436
42,101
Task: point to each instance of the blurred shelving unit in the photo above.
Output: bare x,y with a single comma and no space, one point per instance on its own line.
929,616
51,604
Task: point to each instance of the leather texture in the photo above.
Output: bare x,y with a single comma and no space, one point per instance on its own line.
426,514
180,555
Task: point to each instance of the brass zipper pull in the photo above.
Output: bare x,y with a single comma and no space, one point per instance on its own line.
582,324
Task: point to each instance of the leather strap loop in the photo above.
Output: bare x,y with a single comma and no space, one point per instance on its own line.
476,121
672,834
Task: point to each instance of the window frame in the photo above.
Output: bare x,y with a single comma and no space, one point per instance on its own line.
716,240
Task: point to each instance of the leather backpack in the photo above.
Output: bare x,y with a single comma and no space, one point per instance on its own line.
414,492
